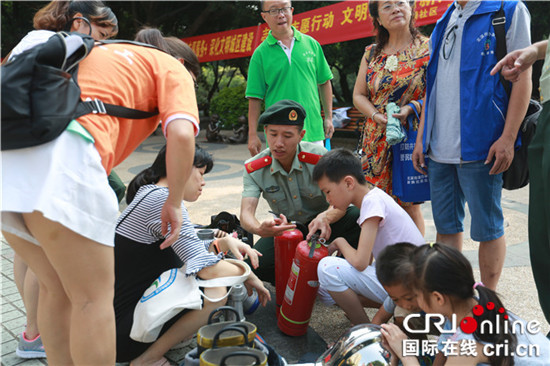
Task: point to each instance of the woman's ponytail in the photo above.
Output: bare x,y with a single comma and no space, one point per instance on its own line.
493,316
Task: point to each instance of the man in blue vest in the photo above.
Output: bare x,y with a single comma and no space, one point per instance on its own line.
471,143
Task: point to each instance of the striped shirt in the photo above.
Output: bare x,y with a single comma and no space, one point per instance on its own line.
141,223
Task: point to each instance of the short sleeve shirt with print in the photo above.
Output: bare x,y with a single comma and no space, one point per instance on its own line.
273,77
135,77
396,225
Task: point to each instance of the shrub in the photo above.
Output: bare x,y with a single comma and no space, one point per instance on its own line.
230,104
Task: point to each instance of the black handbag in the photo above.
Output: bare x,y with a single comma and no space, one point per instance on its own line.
517,175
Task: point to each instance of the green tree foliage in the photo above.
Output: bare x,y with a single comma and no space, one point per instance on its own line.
177,18
217,76
16,21
344,58
230,104
190,18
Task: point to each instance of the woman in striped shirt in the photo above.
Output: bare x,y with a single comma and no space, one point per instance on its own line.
139,260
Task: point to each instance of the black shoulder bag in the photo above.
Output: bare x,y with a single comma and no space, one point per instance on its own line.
517,175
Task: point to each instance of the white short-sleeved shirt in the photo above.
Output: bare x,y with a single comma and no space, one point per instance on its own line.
396,225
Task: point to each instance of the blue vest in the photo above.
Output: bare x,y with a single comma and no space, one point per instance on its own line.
483,100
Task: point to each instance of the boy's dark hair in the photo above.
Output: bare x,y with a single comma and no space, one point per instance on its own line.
394,265
336,164
157,170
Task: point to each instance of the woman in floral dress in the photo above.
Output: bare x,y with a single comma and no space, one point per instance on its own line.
392,70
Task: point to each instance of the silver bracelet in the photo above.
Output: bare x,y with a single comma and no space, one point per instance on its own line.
373,114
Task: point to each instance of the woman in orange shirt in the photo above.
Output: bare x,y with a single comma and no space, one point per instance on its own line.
59,213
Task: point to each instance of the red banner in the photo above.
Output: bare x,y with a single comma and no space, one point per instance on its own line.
343,21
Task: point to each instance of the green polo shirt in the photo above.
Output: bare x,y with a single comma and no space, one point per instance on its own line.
545,78
272,77
294,194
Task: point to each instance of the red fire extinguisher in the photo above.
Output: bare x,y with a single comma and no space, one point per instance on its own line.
302,287
285,247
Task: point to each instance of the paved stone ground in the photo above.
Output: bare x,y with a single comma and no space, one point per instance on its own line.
222,193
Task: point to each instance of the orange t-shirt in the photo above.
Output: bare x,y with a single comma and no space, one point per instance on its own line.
134,77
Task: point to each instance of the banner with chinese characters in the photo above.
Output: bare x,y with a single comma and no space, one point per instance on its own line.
343,21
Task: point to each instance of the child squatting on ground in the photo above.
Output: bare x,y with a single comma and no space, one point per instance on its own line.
478,329
351,281
395,272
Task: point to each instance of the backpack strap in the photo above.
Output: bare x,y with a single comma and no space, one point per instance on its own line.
135,43
96,106
499,24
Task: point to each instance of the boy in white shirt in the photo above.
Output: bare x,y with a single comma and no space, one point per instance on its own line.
351,281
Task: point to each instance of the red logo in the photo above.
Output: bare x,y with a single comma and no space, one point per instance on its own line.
469,325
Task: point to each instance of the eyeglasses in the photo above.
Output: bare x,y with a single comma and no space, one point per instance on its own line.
449,42
275,12
389,6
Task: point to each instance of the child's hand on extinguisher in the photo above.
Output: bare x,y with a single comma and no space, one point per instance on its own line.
320,223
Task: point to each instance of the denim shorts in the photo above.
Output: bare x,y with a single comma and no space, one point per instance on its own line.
451,185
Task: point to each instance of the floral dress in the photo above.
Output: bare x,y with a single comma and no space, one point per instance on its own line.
405,83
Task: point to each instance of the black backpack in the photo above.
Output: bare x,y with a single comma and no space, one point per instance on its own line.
40,94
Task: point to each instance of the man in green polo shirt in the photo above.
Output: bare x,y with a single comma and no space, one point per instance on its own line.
282,174
288,65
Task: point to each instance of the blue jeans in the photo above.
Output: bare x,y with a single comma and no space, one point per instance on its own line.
451,185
